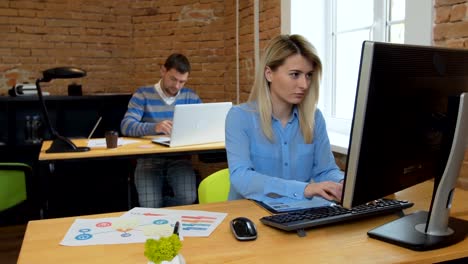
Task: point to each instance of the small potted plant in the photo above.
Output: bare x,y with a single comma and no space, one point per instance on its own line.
164,250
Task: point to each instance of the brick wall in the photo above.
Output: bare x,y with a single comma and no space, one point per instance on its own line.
121,44
451,23
451,30
93,35
195,28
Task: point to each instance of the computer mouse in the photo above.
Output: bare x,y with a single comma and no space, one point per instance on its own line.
243,229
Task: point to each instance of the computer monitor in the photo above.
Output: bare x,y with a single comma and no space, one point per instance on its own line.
410,124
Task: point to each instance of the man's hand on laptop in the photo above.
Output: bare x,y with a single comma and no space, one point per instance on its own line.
164,127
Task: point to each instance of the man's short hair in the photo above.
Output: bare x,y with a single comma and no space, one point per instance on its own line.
179,62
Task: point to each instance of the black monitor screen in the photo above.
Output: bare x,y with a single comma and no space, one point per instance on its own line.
410,124
404,120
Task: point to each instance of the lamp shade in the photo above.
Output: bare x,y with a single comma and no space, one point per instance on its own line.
62,73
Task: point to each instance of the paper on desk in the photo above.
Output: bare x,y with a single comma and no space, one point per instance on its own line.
282,205
195,223
118,230
101,142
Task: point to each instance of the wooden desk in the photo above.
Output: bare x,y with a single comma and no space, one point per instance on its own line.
52,202
144,146
343,243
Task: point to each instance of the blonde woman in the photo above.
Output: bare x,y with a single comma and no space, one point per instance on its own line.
277,144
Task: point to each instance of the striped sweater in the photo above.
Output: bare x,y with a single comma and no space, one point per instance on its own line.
146,108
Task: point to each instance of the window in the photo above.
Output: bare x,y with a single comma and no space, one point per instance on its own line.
337,29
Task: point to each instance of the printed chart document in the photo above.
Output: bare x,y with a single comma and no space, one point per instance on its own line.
194,223
139,224
119,230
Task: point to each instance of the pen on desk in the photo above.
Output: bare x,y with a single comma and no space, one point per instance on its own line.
94,128
176,228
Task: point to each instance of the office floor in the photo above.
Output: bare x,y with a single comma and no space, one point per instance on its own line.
11,238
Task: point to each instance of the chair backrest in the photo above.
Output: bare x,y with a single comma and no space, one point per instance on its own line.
215,187
13,184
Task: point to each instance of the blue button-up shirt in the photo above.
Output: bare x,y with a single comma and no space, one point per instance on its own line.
280,170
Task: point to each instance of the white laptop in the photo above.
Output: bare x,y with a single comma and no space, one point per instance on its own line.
196,124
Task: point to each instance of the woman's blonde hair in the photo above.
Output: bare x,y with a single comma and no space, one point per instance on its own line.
276,52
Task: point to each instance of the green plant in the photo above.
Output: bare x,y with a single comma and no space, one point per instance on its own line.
165,248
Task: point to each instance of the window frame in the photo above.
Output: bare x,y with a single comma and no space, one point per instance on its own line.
418,30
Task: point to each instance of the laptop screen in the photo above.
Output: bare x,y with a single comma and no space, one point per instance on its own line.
198,124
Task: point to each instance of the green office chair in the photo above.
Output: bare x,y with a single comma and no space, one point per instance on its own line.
13,191
214,188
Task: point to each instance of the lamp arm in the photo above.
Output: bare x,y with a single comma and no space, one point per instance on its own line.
44,110
59,143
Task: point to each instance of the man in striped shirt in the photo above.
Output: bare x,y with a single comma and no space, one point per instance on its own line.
161,181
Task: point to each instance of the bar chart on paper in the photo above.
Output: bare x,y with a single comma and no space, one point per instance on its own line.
194,223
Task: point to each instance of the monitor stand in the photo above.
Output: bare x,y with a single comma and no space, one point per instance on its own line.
403,232
434,229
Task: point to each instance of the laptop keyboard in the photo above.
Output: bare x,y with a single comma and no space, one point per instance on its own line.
320,216
162,140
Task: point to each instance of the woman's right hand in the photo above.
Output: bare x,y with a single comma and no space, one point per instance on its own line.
329,190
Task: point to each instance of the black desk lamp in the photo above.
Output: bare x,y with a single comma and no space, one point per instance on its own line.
59,143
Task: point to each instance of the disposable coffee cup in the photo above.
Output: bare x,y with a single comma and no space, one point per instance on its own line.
112,137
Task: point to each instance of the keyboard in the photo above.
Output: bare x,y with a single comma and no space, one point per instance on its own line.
326,215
